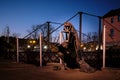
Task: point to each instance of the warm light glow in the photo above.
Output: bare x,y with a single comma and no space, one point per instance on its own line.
81,45
30,41
97,47
91,45
100,47
35,47
34,42
45,47
28,46
84,48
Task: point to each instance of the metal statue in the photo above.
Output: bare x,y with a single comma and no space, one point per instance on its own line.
69,49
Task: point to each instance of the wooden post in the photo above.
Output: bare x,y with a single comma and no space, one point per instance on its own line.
60,43
104,28
40,44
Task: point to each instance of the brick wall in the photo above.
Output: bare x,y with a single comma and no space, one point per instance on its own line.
115,37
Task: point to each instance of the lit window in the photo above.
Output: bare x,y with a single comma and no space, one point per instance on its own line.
112,20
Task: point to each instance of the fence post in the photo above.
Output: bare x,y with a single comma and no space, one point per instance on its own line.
60,43
104,28
17,50
40,45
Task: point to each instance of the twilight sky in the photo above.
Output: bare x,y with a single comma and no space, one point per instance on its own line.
20,15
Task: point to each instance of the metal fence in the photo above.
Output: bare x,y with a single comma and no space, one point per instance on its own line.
113,57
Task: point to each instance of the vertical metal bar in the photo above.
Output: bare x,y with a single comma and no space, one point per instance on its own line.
80,30
99,34
80,26
48,36
40,42
99,60
48,33
104,29
17,50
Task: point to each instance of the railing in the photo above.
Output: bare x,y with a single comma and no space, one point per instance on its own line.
93,58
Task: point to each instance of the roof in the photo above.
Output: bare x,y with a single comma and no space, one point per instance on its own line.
112,13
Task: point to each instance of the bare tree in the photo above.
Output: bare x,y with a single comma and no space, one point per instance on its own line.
91,40
92,36
6,31
45,29
34,29
16,34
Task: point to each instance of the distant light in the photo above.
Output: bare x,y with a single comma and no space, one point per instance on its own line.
84,48
34,41
81,45
97,47
45,47
30,41
28,46
100,47
35,47
91,45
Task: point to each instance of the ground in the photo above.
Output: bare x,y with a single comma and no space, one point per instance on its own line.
10,70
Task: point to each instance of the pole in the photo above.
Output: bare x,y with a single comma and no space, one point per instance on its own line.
60,37
48,33
40,42
104,28
80,26
60,43
17,50
99,34
99,61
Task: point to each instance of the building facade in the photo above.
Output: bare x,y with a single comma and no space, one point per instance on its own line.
112,22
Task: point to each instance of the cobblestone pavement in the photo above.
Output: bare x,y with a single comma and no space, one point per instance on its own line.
10,70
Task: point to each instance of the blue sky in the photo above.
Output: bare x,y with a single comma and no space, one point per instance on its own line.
20,15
